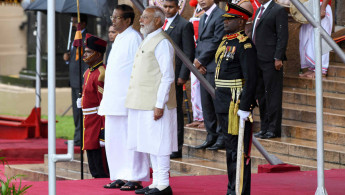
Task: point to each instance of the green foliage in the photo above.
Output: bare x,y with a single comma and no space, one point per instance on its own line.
7,187
64,126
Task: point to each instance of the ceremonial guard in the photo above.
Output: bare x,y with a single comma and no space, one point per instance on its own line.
93,139
235,79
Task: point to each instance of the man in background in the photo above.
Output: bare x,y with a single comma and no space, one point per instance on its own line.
181,32
211,31
112,33
74,76
270,36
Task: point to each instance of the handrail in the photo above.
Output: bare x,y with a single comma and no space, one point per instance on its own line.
272,159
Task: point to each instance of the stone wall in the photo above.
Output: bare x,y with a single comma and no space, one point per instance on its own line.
13,47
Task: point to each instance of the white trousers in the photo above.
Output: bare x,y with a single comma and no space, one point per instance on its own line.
196,99
123,163
160,166
306,42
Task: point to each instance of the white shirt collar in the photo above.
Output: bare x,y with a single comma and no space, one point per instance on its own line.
124,32
267,4
209,11
172,18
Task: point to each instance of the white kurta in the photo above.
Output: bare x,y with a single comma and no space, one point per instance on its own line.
306,45
118,73
145,134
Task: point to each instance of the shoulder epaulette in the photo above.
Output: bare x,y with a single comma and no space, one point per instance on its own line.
242,38
101,76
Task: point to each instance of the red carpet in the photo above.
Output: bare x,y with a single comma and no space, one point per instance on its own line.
290,183
29,150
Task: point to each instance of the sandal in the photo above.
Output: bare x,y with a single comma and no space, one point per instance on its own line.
115,184
131,186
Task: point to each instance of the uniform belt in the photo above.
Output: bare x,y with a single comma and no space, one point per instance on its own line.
87,111
235,83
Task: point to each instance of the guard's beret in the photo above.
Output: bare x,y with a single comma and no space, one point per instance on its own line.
95,43
236,11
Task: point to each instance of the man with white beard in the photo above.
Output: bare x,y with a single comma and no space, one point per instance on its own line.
126,167
151,100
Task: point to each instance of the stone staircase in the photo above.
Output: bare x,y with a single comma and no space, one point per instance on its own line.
297,146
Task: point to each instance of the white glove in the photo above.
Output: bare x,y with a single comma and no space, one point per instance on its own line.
79,103
243,114
102,144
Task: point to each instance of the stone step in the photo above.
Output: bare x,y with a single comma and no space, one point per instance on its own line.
304,149
307,131
73,165
303,163
333,57
39,172
336,70
329,84
307,97
256,159
305,113
196,166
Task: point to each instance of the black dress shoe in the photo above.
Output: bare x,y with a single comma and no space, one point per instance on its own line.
177,154
216,146
155,191
205,145
260,134
143,190
269,135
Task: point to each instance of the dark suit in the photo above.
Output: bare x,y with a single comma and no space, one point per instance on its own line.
210,36
271,38
182,33
107,52
75,85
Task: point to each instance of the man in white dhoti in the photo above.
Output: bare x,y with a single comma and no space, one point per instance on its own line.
306,39
151,100
127,167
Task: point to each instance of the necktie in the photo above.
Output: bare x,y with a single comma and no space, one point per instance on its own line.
205,18
165,23
262,8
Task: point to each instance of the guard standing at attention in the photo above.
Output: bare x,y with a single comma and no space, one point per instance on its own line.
93,131
235,79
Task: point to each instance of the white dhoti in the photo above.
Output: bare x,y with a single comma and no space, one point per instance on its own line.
196,99
306,43
123,163
154,137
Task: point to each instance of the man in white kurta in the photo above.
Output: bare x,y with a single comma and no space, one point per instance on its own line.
151,101
124,164
306,45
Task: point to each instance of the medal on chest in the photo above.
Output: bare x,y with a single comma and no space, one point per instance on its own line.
230,52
